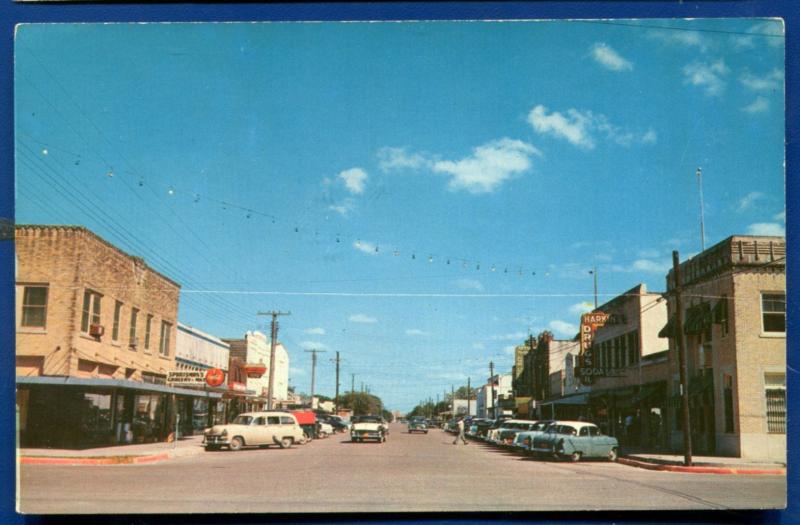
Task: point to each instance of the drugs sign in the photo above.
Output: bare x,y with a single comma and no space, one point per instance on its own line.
590,322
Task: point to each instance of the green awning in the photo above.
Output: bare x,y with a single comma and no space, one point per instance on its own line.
669,328
698,319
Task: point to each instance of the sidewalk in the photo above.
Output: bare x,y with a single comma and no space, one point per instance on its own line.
117,455
703,464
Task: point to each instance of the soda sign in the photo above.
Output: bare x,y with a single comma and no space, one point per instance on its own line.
590,322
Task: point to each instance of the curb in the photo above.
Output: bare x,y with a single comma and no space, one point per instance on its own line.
110,460
702,470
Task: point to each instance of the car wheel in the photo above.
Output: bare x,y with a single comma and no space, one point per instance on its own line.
236,444
287,442
613,454
575,456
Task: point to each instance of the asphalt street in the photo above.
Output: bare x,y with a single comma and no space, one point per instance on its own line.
410,472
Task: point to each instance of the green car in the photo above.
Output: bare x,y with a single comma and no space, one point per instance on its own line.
417,424
575,440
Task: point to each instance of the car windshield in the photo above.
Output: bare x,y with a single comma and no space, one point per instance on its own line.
243,420
367,419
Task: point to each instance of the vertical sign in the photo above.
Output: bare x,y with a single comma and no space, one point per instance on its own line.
589,324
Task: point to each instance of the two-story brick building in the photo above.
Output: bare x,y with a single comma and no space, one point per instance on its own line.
95,340
734,323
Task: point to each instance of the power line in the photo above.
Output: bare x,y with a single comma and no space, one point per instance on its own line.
686,29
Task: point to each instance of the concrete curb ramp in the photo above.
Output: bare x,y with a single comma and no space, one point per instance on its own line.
702,470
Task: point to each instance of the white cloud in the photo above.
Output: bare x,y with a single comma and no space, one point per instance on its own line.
510,337
708,76
780,216
574,127
563,328
469,284
362,318
766,228
315,331
770,82
510,350
313,345
773,28
759,105
606,56
581,308
578,127
648,265
344,207
416,332
354,179
296,371
681,38
366,247
748,201
489,166
398,159
649,253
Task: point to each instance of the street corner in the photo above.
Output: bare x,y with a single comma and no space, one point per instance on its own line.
97,461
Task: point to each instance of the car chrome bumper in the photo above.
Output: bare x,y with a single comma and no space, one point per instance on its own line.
216,440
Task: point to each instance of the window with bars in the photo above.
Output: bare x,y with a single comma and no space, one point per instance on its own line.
773,312
34,306
775,393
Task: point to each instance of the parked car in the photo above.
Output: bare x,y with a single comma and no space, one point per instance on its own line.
417,424
504,434
338,423
368,427
523,441
324,429
255,429
478,427
574,440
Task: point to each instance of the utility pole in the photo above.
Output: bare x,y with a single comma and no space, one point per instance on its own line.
699,174
593,271
313,353
273,340
682,360
469,396
453,400
491,378
336,398
352,394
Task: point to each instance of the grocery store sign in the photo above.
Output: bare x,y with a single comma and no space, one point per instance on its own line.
186,378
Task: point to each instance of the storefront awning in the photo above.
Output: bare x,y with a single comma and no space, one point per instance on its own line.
698,319
97,382
579,399
669,328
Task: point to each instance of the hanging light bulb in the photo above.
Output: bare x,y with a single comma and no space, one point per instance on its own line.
492,267
377,249
110,172
45,152
296,229
141,183
358,242
505,270
448,261
248,215
430,258
533,273
413,256
478,267
78,162
337,239
171,190
396,253
196,198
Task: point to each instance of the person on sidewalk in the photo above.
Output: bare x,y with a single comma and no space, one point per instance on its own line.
460,435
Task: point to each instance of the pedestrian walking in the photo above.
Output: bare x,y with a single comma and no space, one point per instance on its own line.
460,435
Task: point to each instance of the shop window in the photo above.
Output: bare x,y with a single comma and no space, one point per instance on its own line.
775,392
727,395
91,310
96,420
34,306
132,340
148,321
117,315
773,312
149,417
163,348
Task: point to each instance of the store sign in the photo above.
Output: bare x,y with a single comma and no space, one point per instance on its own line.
586,371
237,387
186,378
215,377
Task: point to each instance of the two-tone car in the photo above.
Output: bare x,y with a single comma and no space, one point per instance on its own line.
255,429
368,428
417,424
504,434
575,440
523,441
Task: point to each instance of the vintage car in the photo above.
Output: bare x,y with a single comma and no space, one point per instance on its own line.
477,428
255,429
368,427
504,434
324,429
417,424
523,441
574,440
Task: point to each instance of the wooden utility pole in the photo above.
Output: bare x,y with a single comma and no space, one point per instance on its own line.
469,396
314,353
336,398
273,340
682,360
491,378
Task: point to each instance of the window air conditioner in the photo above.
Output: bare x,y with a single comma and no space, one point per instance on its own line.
96,330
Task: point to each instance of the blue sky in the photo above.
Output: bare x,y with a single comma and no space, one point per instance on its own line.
421,196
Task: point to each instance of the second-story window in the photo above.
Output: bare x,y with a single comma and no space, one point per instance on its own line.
34,306
163,348
91,310
147,323
117,315
132,340
773,312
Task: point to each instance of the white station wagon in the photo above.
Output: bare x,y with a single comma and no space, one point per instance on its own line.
255,429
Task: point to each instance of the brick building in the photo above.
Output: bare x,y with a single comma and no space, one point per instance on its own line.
95,339
254,348
734,323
